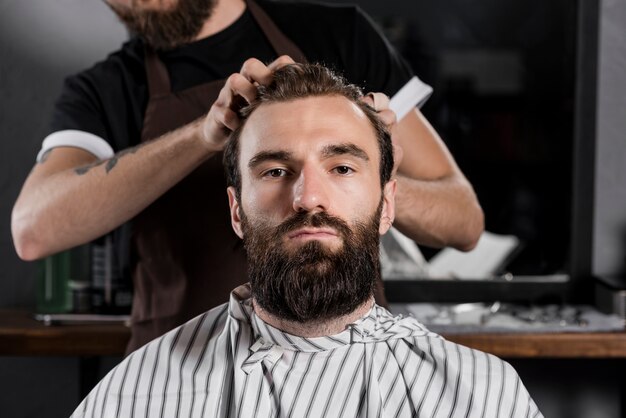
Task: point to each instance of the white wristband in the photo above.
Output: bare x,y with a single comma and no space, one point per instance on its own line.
79,139
412,94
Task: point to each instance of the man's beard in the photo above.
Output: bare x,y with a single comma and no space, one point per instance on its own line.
312,283
167,29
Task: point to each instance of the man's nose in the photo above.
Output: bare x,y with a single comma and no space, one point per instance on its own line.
310,193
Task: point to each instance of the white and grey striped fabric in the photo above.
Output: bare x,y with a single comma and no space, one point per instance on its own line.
229,363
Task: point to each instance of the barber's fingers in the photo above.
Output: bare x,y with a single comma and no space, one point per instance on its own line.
239,90
223,121
398,153
388,117
223,117
244,84
380,103
280,62
236,86
256,72
377,101
217,126
253,72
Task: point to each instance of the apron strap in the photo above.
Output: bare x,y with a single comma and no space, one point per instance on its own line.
158,78
281,44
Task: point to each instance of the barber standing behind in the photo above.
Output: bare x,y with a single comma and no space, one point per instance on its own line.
130,139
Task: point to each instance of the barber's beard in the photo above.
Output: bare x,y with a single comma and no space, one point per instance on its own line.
312,283
166,29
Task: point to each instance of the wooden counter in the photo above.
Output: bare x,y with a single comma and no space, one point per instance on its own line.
21,335
566,345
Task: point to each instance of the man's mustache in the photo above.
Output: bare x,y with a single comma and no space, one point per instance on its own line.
316,220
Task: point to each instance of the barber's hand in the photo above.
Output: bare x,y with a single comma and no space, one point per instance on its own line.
380,103
240,89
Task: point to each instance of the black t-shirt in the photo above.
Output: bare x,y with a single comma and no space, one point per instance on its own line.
109,99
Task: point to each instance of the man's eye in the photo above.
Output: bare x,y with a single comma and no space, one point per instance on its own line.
276,172
343,169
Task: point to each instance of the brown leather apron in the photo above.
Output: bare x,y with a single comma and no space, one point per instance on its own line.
188,257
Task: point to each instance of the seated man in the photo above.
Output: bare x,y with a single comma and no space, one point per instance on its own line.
309,168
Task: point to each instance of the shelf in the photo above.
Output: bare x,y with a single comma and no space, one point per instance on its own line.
570,345
22,335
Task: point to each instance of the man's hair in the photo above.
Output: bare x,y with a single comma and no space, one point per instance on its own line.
298,81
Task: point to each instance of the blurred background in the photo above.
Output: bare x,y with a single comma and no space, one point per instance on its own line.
504,104
505,100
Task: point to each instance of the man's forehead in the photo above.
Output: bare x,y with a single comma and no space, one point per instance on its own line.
314,124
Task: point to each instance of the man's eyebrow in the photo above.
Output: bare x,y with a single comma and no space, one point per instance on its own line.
263,156
340,149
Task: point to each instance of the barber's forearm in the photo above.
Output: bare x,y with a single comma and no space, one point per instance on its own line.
61,209
439,213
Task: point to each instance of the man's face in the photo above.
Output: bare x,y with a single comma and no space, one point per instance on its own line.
164,24
311,206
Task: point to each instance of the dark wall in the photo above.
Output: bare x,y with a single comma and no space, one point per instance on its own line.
41,42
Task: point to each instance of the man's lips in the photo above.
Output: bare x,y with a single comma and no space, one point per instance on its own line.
312,233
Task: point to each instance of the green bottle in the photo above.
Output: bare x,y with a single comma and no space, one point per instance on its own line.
63,281
53,293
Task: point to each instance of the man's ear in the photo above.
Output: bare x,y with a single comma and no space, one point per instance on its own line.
388,212
235,218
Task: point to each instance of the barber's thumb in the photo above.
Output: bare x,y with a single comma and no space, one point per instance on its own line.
398,154
388,117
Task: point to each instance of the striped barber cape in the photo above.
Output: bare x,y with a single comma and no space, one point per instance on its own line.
229,363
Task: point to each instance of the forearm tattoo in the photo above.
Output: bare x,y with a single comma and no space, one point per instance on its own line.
110,163
82,170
